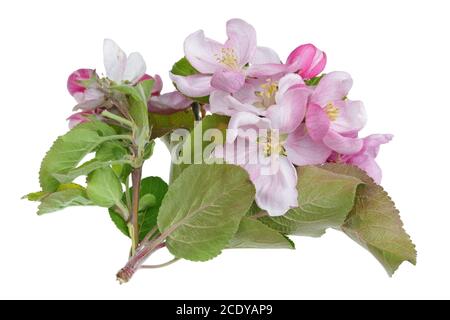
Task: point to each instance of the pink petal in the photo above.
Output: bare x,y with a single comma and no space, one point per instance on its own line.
333,86
202,52
290,111
168,103
317,122
227,80
372,143
264,55
352,116
277,193
287,82
224,103
308,60
266,70
341,144
242,38
369,165
302,150
73,82
193,86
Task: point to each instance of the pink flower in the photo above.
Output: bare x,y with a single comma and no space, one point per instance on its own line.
365,158
268,148
331,117
81,117
168,103
224,66
256,96
307,60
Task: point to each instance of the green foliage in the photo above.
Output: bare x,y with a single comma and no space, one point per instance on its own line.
183,68
375,223
164,124
104,187
314,81
189,154
62,199
255,234
325,199
152,188
69,149
203,208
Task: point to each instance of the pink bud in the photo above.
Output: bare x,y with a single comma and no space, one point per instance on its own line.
74,85
157,86
307,60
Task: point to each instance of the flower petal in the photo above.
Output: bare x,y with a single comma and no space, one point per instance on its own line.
227,80
341,144
73,82
307,60
333,86
290,111
352,116
193,86
168,103
264,55
202,52
223,103
372,143
277,193
242,38
135,68
266,70
317,122
288,81
115,60
369,165
244,121
302,150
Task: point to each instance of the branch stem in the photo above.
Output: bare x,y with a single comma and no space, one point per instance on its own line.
136,177
117,118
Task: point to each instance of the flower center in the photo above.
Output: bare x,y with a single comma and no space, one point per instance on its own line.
228,58
267,94
273,143
332,111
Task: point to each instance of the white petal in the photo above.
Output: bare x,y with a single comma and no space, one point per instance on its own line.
265,55
115,60
135,68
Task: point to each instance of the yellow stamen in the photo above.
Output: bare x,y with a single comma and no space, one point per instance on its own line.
228,58
273,143
267,93
332,111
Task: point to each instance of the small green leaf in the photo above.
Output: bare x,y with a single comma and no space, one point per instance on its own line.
314,81
149,148
144,88
157,188
63,199
69,149
375,223
183,68
325,199
104,188
147,201
255,234
163,124
203,208
111,150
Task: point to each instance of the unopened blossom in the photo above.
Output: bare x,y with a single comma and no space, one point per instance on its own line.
307,60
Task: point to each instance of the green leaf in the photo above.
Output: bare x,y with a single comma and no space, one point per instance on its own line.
104,188
69,149
189,154
375,223
35,196
147,201
163,124
314,81
202,210
325,199
157,188
255,234
183,68
144,89
111,150
63,199
120,223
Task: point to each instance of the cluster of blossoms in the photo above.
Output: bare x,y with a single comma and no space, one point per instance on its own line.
300,116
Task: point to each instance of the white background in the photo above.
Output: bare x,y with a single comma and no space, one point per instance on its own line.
398,54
